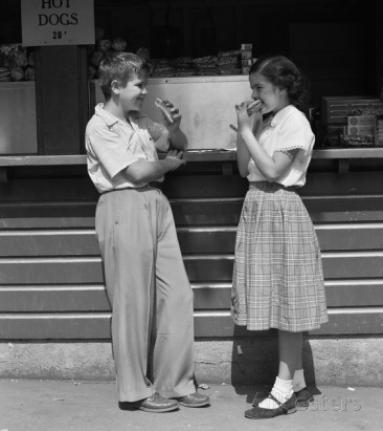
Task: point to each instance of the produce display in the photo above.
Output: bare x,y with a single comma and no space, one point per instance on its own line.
16,63
234,62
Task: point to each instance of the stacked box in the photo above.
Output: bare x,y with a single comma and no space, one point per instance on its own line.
228,62
246,57
361,125
335,110
379,131
350,120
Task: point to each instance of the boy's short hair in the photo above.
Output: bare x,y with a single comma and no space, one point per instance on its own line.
120,67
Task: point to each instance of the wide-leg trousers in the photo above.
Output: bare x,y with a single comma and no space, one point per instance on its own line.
149,292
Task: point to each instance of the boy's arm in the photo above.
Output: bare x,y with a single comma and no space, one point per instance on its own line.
165,137
144,171
178,139
111,151
162,143
172,119
171,138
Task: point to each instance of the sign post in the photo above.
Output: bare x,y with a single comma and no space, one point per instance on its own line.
57,22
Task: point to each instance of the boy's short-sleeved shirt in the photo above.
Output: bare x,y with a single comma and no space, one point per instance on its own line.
289,131
112,145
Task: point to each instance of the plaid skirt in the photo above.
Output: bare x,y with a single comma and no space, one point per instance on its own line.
278,276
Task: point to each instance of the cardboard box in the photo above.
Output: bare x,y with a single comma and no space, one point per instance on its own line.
335,110
379,131
361,125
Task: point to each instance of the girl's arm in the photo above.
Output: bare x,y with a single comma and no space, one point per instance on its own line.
271,167
243,154
243,157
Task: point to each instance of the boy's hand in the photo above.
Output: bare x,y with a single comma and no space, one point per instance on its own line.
170,113
174,159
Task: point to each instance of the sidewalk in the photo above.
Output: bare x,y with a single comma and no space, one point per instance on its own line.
33,405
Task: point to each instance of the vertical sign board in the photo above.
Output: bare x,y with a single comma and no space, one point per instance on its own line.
57,22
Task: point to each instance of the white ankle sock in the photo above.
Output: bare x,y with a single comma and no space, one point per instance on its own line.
299,381
282,391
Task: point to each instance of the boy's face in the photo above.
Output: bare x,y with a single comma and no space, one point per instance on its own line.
132,96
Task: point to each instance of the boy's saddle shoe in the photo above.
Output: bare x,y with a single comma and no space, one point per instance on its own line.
304,397
194,400
156,404
283,409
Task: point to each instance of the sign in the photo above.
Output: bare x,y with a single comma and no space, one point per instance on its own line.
57,22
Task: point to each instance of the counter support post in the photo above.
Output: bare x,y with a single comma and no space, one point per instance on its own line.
61,99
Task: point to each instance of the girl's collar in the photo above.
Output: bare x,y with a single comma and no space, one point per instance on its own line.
278,117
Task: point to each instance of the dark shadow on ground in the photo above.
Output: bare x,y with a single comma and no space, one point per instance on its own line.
255,362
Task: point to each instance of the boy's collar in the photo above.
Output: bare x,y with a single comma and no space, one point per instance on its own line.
109,118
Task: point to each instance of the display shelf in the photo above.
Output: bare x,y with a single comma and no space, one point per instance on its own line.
204,155
40,160
349,153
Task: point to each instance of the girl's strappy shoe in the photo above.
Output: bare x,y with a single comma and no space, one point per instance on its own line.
283,409
304,397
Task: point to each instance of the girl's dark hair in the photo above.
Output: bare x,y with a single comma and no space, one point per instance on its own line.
119,67
284,74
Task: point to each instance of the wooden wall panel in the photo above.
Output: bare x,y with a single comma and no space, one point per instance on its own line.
189,185
96,326
187,211
207,296
51,278
193,240
209,268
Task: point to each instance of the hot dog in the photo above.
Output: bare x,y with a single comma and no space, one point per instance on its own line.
165,108
253,106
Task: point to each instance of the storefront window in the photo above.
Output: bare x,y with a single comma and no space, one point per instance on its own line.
17,86
335,43
331,41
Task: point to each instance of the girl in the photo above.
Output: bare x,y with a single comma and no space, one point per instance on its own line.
278,277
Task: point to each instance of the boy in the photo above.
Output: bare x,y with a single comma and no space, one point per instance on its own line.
146,282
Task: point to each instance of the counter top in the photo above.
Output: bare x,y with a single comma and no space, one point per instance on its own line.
191,156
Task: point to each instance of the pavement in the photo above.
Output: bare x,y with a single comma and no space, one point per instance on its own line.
35,405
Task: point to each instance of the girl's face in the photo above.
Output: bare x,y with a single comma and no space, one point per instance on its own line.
273,98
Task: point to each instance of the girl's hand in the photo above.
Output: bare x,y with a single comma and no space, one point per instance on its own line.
249,116
170,114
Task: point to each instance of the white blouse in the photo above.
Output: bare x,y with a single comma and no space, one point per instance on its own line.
288,130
